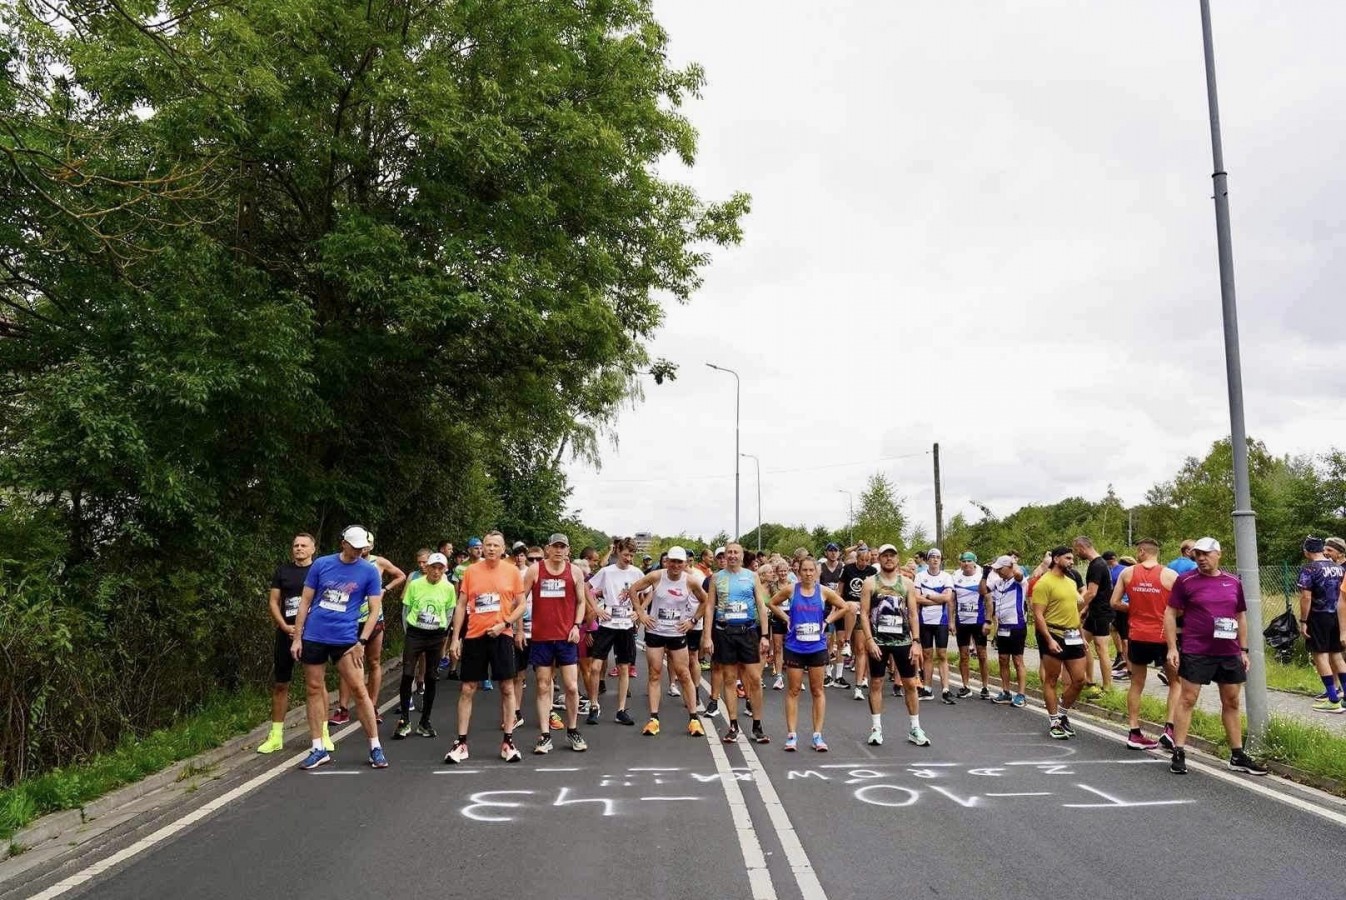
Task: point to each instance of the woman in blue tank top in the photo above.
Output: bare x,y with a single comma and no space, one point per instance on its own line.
806,645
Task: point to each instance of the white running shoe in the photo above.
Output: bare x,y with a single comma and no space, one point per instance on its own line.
674,691
778,684
859,694
917,737
875,738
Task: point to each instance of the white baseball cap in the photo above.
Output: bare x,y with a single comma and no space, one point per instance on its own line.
438,559
1206,545
677,554
887,548
1003,562
719,551
357,537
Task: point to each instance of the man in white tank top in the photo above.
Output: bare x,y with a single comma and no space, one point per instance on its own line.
668,603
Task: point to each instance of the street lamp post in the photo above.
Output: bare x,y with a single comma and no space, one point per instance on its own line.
1245,520
738,390
850,522
759,498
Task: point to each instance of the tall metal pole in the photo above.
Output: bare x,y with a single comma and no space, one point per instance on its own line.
939,506
738,390
759,498
850,522
1245,520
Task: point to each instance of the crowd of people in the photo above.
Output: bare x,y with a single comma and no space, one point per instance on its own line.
485,615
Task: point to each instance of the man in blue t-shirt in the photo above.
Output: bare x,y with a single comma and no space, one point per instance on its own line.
1319,589
328,629
1184,562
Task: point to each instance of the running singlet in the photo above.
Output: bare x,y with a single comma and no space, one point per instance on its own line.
554,601
429,607
967,598
1149,597
852,580
1322,579
671,604
289,580
1008,597
888,619
735,597
932,585
830,577
490,593
612,584
806,621
339,590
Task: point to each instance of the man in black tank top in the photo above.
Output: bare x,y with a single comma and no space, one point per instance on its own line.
829,576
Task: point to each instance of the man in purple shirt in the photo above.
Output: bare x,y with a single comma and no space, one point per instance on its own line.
1214,648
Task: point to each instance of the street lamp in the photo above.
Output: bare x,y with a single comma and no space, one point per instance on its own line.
738,389
850,522
759,498
1245,520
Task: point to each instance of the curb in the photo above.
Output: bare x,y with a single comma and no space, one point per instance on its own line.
54,825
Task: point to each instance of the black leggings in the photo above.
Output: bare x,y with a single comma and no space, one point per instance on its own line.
420,643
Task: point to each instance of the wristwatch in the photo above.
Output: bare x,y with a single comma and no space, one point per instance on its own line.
364,642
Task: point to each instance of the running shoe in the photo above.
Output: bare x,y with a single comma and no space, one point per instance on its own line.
1057,731
426,730
1121,675
1138,741
592,718
705,665
316,758
695,728
1020,701
1163,678
947,697
543,745
897,689
713,707
576,741
875,738
402,730
510,753
1240,761
341,717
1065,723
631,671
827,681
760,736
791,742
985,693
651,728
583,707
674,690
917,736
275,741
378,717
963,692
841,683
846,650
518,720
778,684
1166,739
376,758
457,753
1117,662
1327,706
731,736
487,685
819,744
558,701
555,722
624,718
925,693
1321,696
411,703
858,694
739,690
1091,692
613,672
1002,698
1178,766
602,686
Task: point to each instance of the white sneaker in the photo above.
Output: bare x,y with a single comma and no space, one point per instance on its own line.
875,737
673,691
917,737
778,684
457,753
859,694
510,753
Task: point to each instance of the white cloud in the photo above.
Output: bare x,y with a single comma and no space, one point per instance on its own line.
990,226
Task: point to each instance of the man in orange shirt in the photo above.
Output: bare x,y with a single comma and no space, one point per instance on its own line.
491,603
1142,592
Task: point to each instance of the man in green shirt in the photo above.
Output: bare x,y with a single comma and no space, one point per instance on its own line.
428,605
888,609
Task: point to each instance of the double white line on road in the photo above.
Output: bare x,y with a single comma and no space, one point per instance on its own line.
753,858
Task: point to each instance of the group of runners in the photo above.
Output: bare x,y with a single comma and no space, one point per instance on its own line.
487,615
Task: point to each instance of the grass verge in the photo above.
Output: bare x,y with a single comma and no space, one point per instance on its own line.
219,719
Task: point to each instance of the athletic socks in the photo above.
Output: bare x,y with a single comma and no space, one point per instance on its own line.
756,724
317,743
915,721
875,720
1341,676
374,743
1330,684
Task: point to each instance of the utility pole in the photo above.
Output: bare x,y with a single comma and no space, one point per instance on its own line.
850,522
759,498
1245,520
939,505
738,391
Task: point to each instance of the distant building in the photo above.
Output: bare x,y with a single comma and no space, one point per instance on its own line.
643,541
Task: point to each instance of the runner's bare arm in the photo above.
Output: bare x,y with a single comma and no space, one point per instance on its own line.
913,612
456,632
273,603
866,602
1118,589
375,610
583,598
763,620
773,605
387,568
296,640
1040,622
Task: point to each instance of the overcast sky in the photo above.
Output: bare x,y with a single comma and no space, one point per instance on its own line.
989,225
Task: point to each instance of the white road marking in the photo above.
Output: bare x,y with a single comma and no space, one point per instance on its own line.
1118,802
150,840
1023,794
759,878
805,876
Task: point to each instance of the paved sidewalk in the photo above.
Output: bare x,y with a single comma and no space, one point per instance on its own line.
1281,703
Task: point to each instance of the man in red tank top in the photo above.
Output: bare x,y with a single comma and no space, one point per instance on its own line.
560,600
1142,592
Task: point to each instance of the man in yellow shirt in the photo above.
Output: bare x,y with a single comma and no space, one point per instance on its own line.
1056,613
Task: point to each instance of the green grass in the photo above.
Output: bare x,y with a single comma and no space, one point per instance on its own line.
1297,677
1311,748
220,719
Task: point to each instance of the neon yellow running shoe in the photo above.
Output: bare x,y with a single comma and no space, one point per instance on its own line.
327,739
275,741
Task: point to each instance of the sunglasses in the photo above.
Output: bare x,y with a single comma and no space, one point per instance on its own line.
535,559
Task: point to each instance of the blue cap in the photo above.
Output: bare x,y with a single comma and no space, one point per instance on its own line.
474,542
831,545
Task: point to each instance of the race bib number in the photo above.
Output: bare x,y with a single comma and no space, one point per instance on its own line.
1072,637
736,611
968,611
931,615
890,625
1226,629
488,603
669,616
334,600
1003,632
291,607
809,631
552,588
621,618
428,619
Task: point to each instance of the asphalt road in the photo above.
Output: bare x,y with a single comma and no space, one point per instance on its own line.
995,807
